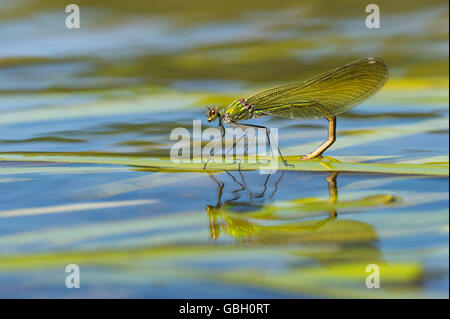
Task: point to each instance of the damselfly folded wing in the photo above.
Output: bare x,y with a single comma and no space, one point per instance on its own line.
328,94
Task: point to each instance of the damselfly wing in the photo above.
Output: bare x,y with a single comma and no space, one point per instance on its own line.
328,94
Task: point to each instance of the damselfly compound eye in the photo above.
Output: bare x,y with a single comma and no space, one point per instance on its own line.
212,113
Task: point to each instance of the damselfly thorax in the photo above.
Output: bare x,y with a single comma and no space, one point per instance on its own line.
237,111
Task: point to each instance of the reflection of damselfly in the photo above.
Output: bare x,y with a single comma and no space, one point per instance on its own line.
323,96
256,201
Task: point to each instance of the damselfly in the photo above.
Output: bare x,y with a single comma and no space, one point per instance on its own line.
323,96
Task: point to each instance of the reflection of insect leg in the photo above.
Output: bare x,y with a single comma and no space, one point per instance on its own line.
331,136
211,210
243,126
250,194
332,191
234,179
275,186
263,193
220,188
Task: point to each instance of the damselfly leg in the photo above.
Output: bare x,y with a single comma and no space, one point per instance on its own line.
331,135
222,134
244,126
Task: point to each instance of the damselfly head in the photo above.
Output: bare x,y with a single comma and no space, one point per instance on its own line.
212,113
